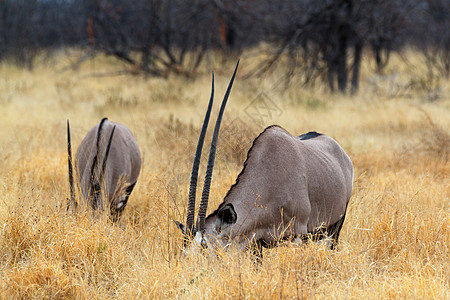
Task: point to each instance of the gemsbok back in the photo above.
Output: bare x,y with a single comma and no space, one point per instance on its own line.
289,188
108,163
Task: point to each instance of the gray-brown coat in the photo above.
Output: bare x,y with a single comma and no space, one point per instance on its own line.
108,163
290,187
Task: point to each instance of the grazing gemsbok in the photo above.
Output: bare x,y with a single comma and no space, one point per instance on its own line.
289,188
108,163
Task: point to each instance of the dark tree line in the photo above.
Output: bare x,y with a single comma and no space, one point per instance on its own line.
320,39
328,39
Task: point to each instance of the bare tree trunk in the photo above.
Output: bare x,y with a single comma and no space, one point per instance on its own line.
145,60
356,66
341,65
331,71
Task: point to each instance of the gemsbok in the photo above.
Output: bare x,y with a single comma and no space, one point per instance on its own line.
290,188
108,163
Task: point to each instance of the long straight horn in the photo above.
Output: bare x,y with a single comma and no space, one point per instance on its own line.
69,160
196,165
95,160
105,159
212,154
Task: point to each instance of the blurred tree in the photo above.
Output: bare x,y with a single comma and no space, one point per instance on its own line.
429,32
318,40
328,37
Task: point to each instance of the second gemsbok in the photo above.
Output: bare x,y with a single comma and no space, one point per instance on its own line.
108,163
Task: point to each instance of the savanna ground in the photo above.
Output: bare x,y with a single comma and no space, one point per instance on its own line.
394,243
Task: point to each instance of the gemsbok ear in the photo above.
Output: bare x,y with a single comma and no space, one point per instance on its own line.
226,216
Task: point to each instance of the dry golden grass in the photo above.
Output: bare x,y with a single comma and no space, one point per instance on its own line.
395,240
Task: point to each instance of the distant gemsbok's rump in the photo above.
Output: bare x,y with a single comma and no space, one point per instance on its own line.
108,163
289,188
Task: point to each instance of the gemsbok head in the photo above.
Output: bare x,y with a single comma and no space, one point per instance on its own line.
108,163
294,188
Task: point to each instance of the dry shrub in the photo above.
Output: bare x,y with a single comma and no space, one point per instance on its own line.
55,255
17,238
175,137
435,140
40,280
404,236
236,138
180,139
427,145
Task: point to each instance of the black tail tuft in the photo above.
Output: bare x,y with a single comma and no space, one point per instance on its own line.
334,230
324,232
